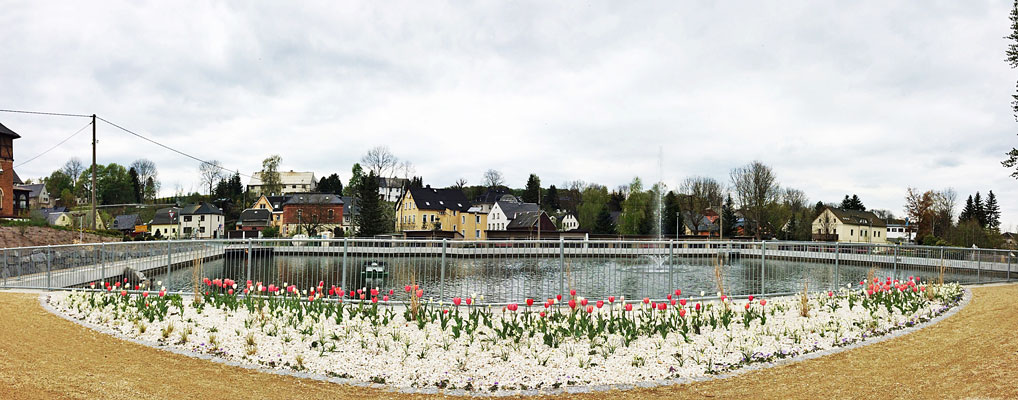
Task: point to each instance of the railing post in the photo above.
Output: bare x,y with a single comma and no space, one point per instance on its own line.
837,264
169,263
49,268
102,260
441,278
345,248
562,265
895,273
763,266
671,264
249,249
1008,255
979,266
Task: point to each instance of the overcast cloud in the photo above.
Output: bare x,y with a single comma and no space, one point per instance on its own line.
839,97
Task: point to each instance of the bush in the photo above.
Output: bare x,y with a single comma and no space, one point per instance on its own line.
270,232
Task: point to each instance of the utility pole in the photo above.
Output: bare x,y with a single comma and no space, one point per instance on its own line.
93,172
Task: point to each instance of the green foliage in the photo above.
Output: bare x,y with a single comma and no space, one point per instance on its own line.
331,184
672,211
729,218
270,232
136,187
371,220
551,202
603,224
113,181
271,183
57,182
852,203
532,194
594,198
356,175
634,209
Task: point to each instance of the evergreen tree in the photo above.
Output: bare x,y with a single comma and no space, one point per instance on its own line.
604,223
730,219
634,209
968,212
371,220
672,211
852,203
992,210
356,174
331,184
532,194
135,185
551,203
978,210
817,209
615,200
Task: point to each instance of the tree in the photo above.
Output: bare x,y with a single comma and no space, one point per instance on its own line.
634,209
883,214
73,168
992,210
380,161
728,218
551,199
1012,59
604,225
371,220
493,178
978,210
67,198
147,172
595,197
58,181
331,184
672,212
755,188
968,212
532,194
852,203
701,193
136,187
271,183
460,184
919,206
211,173
356,176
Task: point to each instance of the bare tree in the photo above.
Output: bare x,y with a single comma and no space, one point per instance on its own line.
407,170
460,184
73,168
701,193
148,176
755,188
381,161
883,214
919,207
493,178
211,173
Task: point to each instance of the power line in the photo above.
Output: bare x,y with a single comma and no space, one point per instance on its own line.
46,113
170,148
55,146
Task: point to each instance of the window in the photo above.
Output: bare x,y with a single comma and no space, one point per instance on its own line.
330,214
187,218
477,233
478,219
202,218
454,229
463,219
851,232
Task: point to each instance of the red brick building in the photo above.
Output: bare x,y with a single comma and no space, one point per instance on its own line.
312,214
10,200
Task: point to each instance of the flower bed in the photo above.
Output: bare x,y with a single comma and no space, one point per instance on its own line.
465,344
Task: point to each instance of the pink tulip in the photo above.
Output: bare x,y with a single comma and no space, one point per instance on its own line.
230,292
144,294
420,293
374,292
590,309
662,306
407,288
646,300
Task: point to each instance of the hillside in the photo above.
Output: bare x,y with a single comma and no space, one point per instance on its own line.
23,236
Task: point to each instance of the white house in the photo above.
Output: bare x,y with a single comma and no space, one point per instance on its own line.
504,212
291,182
567,222
850,226
202,221
391,189
899,231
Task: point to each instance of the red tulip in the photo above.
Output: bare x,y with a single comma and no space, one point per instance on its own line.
697,306
456,301
558,297
374,299
542,313
162,293
599,304
611,299
469,300
206,292
547,305
583,302
320,283
332,291
669,297
530,302
230,292
311,298
420,293
646,300
629,307
123,293
682,313
385,298
869,292
136,287
144,294
747,306
830,293
374,292
723,298
750,297
390,292
572,304
763,302
590,309
445,311
513,307
662,306
572,292
407,288
672,302
682,302
245,291
125,280
678,292
361,296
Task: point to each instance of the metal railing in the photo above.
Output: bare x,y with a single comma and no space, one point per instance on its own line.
502,271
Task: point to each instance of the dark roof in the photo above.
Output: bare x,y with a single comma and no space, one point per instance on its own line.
512,209
255,217
125,221
491,196
427,198
48,211
350,206
703,225
8,132
17,179
529,220
314,198
853,217
162,216
277,201
35,188
202,208
391,182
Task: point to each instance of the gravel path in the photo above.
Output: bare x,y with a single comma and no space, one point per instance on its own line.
971,354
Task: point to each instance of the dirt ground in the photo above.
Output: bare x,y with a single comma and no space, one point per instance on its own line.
973,354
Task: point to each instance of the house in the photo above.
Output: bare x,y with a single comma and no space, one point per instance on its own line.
505,211
528,225
59,218
14,201
125,223
700,225
165,223
275,205
391,189
1010,240
566,221
254,219
487,200
351,214
849,226
290,182
38,197
900,231
428,209
202,221
312,213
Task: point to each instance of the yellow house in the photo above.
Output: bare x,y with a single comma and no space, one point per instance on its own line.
849,226
447,210
275,205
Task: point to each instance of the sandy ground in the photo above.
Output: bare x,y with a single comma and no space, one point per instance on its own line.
973,354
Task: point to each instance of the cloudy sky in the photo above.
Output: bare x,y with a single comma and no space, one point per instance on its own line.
856,97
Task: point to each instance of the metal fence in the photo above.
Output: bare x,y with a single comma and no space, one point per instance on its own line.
501,271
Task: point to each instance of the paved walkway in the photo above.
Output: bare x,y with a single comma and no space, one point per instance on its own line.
971,354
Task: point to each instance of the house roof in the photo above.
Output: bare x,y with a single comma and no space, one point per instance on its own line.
350,206
527,220
286,178
17,179
392,182
52,217
428,198
314,198
162,216
854,217
703,224
8,132
127,221
35,189
254,216
277,202
48,211
202,208
491,196
513,209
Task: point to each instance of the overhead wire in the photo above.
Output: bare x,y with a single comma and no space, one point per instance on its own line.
171,148
45,113
56,145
